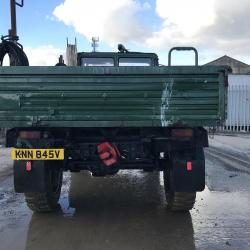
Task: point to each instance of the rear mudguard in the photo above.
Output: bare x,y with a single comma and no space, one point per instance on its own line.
184,179
35,179
30,181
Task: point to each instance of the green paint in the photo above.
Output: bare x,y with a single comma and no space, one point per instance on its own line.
112,96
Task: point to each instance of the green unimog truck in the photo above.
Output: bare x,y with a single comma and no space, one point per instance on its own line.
113,111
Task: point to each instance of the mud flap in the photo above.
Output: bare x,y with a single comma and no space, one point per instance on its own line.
30,181
186,177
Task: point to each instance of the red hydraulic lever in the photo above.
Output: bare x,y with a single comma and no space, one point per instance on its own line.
108,153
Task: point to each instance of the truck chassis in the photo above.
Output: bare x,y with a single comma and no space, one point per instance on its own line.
177,151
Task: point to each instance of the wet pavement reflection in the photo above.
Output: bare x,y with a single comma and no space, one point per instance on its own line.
126,211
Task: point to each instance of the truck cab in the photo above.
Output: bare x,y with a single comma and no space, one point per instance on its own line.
121,59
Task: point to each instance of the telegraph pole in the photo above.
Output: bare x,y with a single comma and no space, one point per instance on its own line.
13,30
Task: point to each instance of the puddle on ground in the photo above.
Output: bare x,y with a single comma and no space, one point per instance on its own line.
126,211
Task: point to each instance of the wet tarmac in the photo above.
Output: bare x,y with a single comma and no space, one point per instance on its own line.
128,211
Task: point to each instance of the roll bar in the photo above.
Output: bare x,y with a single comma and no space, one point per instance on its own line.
183,49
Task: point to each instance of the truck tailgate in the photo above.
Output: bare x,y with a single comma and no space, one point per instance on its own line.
112,96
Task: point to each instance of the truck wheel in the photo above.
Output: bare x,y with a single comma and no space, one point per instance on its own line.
182,201
177,201
47,201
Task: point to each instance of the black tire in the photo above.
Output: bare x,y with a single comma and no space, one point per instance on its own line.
47,201
177,201
15,52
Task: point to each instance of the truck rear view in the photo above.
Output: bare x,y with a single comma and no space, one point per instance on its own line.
113,111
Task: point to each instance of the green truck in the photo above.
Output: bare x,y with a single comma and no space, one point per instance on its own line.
113,111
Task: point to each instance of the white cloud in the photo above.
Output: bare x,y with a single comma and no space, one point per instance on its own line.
188,17
46,55
112,20
181,21
216,27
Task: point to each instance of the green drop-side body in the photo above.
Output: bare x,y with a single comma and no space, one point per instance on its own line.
156,96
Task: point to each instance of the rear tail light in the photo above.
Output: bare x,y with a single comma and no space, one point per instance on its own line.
28,166
29,135
189,166
182,132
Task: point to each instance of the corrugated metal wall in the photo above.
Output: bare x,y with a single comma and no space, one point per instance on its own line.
238,110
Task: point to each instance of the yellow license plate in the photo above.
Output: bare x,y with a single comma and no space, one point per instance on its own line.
37,154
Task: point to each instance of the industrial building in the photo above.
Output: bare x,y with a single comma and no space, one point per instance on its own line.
238,106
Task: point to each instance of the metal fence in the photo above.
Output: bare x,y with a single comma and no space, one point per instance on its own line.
238,106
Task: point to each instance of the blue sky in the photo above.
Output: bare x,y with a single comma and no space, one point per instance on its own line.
142,25
34,28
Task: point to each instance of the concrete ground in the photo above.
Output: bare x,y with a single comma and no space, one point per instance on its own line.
128,211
